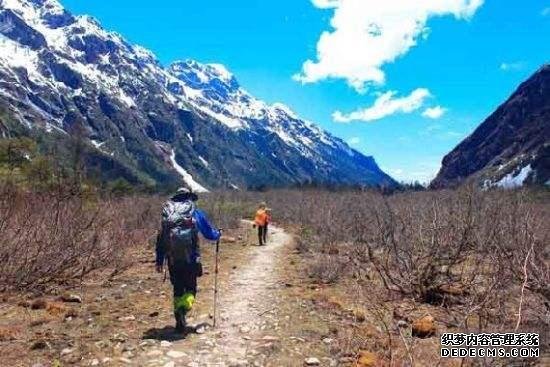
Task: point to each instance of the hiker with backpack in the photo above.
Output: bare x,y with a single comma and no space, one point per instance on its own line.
260,221
178,243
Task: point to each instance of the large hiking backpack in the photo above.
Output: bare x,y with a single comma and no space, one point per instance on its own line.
181,232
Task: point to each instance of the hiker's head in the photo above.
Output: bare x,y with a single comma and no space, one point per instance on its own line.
268,210
184,194
262,205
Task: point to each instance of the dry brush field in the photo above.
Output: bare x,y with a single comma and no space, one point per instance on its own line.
462,261
403,268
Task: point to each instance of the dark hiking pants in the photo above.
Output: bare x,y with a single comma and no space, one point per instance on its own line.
184,281
261,240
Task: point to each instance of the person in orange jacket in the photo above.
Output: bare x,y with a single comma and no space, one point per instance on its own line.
260,221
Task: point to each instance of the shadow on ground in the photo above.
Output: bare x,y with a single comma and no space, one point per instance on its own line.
167,333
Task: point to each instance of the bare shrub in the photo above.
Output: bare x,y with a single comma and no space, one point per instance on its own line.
302,245
425,247
326,268
62,235
54,237
466,250
226,209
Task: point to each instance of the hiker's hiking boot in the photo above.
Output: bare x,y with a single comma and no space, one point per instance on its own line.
180,321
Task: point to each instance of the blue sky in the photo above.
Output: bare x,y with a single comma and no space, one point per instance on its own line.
453,60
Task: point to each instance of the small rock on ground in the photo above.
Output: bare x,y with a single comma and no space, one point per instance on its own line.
424,327
127,318
312,361
175,354
75,298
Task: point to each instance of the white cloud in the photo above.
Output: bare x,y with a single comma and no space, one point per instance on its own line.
326,4
512,66
434,112
354,140
545,12
365,35
386,105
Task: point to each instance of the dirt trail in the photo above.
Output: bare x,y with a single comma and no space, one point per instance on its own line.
245,303
249,329
249,298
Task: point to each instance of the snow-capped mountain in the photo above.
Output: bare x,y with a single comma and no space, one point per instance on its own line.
151,124
213,90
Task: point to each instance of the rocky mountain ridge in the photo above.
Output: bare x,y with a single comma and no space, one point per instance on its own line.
153,124
511,148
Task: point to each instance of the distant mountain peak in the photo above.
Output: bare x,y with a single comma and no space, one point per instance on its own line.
44,3
51,12
37,4
201,75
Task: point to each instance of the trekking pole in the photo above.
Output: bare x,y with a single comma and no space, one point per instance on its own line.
216,281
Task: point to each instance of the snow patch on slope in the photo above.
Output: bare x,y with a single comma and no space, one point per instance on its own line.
16,55
222,72
510,181
128,101
285,109
96,143
187,178
203,161
33,14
